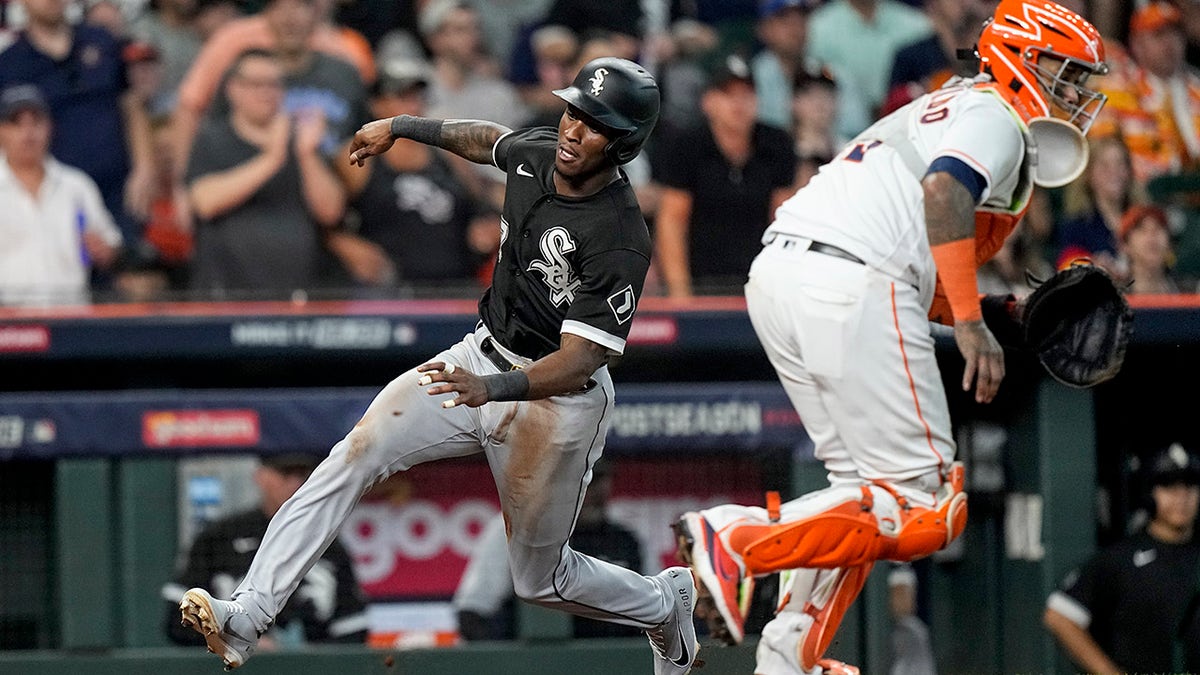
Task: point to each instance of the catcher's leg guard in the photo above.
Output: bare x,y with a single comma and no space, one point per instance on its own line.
855,531
844,535
923,531
827,606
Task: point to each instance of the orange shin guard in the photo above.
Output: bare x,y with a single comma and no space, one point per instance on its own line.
845,535
850,534
923,531
926,531
828,616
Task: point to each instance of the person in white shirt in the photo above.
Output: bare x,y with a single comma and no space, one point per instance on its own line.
54,228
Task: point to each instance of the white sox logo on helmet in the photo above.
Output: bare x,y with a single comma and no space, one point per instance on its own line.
555,269
597,81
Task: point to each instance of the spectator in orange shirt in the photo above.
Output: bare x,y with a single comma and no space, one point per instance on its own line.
1155,104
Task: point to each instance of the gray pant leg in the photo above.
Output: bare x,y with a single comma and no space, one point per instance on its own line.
540,462
402,427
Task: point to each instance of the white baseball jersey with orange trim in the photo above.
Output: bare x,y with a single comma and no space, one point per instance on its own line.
869,200
850,338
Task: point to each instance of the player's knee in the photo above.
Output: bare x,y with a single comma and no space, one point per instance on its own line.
534,588
926,531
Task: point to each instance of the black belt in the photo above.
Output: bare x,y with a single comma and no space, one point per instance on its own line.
787,241
830,249
489,350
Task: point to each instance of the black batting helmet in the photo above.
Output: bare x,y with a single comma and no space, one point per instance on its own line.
1174,465
622,97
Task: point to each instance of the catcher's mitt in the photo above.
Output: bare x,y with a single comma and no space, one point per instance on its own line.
1078,323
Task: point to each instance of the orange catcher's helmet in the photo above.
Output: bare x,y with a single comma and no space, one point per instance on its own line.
1040,55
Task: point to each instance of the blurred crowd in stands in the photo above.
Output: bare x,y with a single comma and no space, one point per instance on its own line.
195,149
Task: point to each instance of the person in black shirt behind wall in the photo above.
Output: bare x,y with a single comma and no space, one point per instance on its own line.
483,599
529,388
1135,607
328,605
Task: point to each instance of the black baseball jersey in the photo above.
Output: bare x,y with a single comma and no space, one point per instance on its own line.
731,205
328,604
566,265
1136,597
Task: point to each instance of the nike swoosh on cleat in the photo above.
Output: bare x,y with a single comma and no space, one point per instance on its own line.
685,658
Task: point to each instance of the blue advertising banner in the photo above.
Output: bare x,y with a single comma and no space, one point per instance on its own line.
725,416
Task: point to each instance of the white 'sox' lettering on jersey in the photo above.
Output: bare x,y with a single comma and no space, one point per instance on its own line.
556,271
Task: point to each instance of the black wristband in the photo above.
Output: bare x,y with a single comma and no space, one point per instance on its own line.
510,386
420,129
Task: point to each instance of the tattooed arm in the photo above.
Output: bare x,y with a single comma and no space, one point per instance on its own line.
950,225
470,139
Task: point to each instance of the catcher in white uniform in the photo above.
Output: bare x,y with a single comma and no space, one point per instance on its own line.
885,238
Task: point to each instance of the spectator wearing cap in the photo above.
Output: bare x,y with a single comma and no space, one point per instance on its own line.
328,606
55,227
506,26
100,126
1134,607
1154,104
464,84
857,40
411,221
553,50
721,183
1146,247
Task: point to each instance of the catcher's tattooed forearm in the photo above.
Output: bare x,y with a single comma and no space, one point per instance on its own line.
949,209
471,139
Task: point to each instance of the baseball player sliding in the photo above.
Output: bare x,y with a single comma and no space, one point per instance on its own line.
529,388
886,237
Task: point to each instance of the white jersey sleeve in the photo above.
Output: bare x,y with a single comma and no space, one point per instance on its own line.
985,135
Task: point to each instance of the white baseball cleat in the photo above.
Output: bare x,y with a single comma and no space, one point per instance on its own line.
674,640
225,625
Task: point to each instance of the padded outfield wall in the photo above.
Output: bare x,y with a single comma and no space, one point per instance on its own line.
100,407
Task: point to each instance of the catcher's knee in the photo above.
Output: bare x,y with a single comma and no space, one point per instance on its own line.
922,531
